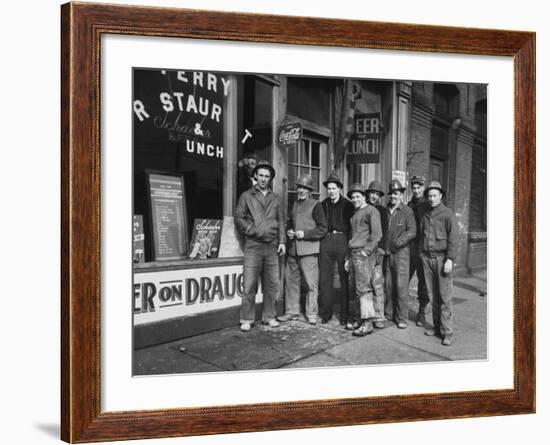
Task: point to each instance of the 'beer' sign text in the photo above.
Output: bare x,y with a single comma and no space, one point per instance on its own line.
364,147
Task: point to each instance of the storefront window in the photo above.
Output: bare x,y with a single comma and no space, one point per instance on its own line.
178,132
304,158
255,124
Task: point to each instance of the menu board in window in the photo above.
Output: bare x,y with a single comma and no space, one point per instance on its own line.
168,216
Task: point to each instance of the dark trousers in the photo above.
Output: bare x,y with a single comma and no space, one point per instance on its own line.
439,286
396,271
416,266
333,250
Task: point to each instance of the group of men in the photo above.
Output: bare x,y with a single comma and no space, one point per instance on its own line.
375,248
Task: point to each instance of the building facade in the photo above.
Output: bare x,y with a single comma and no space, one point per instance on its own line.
202,126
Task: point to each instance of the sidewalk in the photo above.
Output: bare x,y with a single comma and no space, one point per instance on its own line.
297,344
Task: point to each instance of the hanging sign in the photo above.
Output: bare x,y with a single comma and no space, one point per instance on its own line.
289,134
364,147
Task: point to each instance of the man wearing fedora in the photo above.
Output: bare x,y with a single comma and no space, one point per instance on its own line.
366,232
396,244
338,211
306,226
418,204
374,196
259,217
438,250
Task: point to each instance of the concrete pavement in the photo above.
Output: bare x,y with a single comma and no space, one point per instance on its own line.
297,344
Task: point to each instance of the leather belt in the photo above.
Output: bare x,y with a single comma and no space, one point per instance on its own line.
335,232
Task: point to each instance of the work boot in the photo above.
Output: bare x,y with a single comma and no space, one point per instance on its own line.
379,324
448,339
363,330
420,319
288,317
246,326
431,332
351,326
272,323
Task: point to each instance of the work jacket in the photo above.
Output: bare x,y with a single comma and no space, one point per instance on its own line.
419,206
366,229
401,229
308,216
439,232
260,218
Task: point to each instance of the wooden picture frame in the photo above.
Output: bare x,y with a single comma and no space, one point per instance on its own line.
82,26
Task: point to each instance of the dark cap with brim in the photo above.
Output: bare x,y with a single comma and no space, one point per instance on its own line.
266,165
357,187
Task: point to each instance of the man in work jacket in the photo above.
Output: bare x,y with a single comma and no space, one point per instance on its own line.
439,247
401,231
418,204
259,217
307,225
338,211
366,232
374,196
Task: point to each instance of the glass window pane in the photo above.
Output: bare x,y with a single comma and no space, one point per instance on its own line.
293,154
292,175
304,152
315,154
315,175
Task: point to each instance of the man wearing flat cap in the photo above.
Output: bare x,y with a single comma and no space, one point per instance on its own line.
306,226
396,244
259,217
338,211
366,232
374,196
438,250
418,204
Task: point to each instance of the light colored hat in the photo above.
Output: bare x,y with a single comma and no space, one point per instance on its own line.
434,185
305,180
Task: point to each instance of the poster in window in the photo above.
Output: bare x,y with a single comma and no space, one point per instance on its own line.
205,241
138,240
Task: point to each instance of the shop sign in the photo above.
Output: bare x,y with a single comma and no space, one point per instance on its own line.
184,107
179,293
290,134
364,146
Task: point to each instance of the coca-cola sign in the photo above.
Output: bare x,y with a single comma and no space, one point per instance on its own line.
290,134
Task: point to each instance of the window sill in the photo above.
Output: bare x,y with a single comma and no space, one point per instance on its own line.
154,266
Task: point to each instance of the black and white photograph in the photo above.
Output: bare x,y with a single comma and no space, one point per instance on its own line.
306,222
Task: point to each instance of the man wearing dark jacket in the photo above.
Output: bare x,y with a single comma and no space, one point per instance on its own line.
400,232
374,196
306,226
259,217
418,204
338,211
438,250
